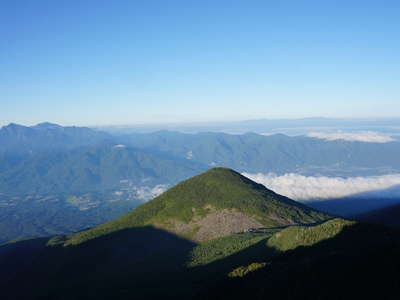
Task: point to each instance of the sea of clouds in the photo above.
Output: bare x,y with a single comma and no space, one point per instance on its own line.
310,188
358,136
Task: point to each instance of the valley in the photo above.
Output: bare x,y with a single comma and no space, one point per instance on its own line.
80,177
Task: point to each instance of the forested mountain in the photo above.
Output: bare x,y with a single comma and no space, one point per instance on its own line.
213,204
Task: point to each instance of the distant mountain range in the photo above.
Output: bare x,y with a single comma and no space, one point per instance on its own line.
18,139
277,153
56,179
216,235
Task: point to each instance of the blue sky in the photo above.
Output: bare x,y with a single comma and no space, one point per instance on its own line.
129,62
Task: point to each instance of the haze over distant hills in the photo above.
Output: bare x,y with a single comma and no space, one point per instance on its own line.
277,153
269,126
56,179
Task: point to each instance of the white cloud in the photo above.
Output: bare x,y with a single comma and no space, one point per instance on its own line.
119,146
359,136
146,193
189,155
305,188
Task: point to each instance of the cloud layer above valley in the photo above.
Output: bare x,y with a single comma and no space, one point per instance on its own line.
308,188
146,193
359,136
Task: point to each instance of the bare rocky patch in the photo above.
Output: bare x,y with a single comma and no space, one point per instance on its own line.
281,220
211,223
222,223
217,223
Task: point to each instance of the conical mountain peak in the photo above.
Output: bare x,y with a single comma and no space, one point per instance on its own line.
216,203
226,175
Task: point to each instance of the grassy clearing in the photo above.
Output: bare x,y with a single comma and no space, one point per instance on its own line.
244,270
295,236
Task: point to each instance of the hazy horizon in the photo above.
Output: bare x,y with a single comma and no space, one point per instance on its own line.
216,121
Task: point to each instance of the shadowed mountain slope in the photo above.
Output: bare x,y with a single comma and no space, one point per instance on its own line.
389,216
142,260
335,260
